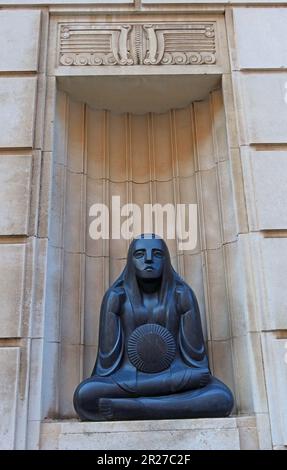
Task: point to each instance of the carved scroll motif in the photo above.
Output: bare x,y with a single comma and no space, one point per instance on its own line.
143,44
95,44
180,44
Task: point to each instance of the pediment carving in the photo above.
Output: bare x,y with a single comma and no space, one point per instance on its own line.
94,44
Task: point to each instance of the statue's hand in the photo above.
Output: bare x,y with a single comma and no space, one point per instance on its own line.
205,378
189,379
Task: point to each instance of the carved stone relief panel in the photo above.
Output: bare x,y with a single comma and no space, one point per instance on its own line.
137,44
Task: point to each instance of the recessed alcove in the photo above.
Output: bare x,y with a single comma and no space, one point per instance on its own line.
175,154
139,94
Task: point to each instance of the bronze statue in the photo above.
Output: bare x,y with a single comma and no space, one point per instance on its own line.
151,361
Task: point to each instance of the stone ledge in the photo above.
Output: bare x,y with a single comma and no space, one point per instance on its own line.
187,434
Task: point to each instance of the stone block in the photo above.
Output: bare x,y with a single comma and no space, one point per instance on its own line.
264,431
9,367
15,191
256,371
266,190
248,433
243,386
264,95
75,130
210,207
46,216
61,2
229,229
183,434
235,288
193,275
35,384
238,191
217,298
70,375
95,287
73,283
275,363
50,384
53,293
74,230
219,126
163,153
183,119
61,127
222,366
90,355
40,247
12,264
139,148
57,205
274,254
116,161
19,40
252,28
97,193
203,133
250,386
17,107
115,269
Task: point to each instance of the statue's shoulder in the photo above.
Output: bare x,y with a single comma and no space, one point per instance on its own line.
114,297
185,296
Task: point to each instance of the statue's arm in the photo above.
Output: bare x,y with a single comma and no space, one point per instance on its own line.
191,342
110,334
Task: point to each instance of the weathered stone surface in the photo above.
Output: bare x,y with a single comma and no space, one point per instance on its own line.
222,367
274,252
15,179
9,365
19,40
266,190
248,434
275,360
12,259
252,27
262,94
219,433
217,295
57,2
17,106
211,213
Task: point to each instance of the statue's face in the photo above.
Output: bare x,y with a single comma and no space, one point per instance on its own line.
148,258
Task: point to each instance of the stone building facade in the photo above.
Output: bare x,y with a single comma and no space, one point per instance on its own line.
155,101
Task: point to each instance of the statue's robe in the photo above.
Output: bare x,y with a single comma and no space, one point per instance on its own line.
119,318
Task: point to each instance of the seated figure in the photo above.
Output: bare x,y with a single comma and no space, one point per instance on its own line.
151,361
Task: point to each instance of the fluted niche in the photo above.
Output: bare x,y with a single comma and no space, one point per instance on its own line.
179,156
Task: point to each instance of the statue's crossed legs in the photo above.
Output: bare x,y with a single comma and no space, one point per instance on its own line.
189,393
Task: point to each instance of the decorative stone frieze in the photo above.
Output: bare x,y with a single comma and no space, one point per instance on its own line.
137,44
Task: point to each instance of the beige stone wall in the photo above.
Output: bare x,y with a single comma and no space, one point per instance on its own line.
240,280
21,251
259,78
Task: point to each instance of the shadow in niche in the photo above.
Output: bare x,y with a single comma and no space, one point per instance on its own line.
139,94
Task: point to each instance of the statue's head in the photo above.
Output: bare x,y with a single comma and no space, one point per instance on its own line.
148,262
148,257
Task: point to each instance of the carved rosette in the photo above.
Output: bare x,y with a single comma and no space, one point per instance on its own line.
156,44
